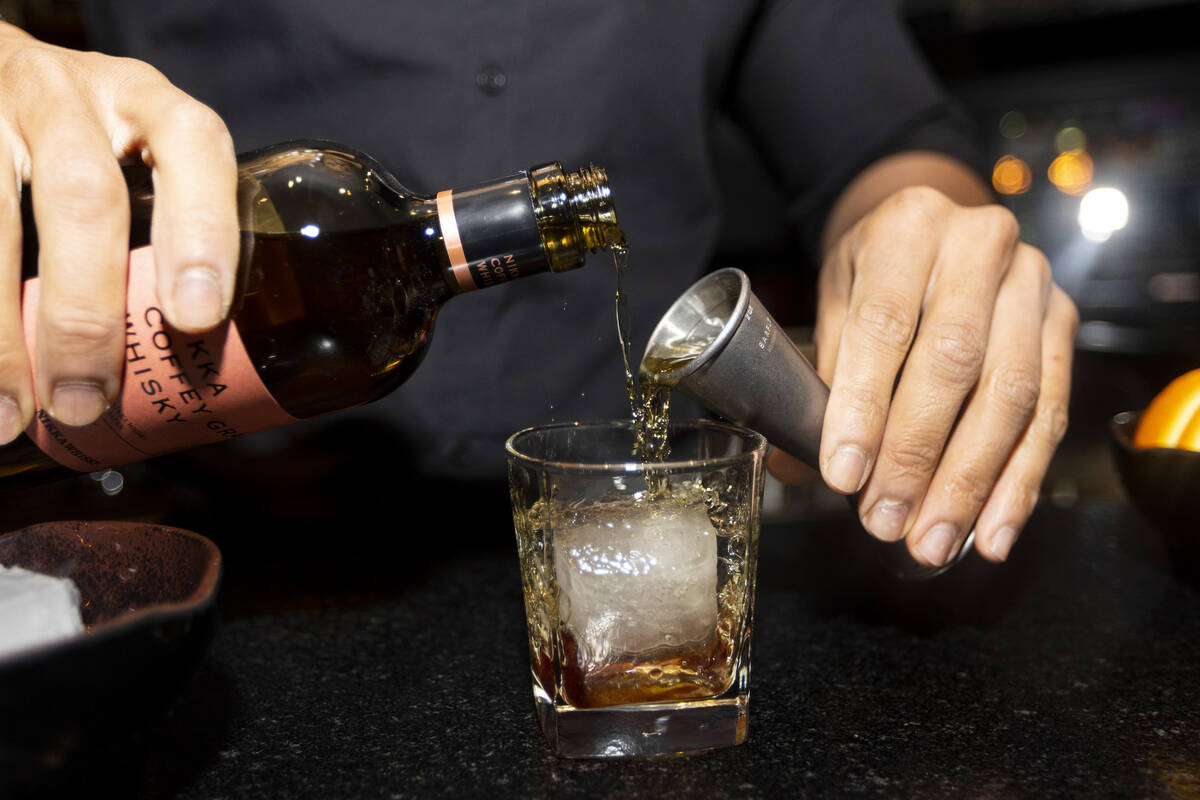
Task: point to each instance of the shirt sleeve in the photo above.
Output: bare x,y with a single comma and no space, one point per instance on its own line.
825,87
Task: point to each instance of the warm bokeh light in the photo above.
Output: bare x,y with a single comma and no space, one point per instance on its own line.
1070,138
1102,211
1071,172
1011,175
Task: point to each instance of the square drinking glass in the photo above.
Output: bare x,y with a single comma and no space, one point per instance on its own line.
639,584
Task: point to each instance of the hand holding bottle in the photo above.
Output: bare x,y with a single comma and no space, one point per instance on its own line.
341,272
67,120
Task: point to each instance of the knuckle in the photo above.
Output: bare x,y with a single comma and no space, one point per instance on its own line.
997,219
1052,422
14,365
1071,311
1035,259
82,329
887,321
1030,495
1022,494
88,182
198,236
967,487
913,455
956,351
1017,389
197,244
132,73
864,404
191,115
34,65
918,203
1066,308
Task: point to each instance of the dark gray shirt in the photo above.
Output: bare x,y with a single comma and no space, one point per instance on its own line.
454,92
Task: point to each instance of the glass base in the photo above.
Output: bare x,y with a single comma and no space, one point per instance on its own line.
652,729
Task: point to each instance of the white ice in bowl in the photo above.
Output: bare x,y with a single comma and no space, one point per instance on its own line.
36,609
636,576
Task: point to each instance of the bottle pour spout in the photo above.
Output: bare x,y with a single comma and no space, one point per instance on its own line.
591,198
575,213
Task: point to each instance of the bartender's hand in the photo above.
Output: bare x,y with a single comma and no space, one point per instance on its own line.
66,119
947,347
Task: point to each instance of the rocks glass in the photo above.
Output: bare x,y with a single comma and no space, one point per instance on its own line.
639,584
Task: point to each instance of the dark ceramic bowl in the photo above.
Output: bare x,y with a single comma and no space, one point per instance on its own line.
148,596
1164,484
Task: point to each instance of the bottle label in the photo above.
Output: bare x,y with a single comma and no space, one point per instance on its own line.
491,232
180,390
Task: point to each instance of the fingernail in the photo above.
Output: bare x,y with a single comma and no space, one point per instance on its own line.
846,469
1002,541
77,403
10,419
886,519
197,299
937,543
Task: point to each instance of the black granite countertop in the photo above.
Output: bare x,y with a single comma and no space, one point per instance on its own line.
1072,671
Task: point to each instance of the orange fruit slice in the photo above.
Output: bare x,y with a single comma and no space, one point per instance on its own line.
1190,438
1173,417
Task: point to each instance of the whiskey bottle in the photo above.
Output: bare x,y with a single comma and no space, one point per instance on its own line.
340,278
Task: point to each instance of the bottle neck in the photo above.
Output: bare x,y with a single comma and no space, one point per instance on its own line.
532,222
575,212
542,219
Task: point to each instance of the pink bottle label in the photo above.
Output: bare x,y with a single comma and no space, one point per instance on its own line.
180,390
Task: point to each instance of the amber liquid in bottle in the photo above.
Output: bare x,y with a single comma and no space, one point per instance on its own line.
342,271
326,334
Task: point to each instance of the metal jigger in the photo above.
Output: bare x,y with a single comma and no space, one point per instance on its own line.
728,353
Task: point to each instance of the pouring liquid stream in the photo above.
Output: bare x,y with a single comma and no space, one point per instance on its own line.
649,390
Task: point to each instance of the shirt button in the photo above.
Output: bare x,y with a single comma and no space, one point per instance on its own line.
491,80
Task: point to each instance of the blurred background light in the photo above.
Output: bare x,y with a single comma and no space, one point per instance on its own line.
1011,175
1102,211
1013,125
1174,287
1071,171
1070,138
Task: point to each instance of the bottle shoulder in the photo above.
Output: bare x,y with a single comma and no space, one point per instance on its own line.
312,187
